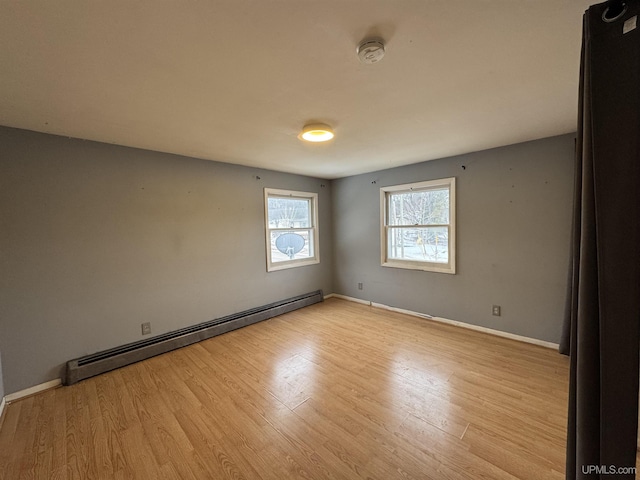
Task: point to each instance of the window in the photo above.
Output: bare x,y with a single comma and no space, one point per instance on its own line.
292,228
418,225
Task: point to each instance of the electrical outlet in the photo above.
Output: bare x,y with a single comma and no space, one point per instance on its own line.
496,310
359,285
146,328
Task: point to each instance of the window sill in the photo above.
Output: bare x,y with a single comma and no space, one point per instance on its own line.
425,267
293,264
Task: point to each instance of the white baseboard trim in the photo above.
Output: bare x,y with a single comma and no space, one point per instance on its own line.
12,397
468,326
2,404
402,310
351,299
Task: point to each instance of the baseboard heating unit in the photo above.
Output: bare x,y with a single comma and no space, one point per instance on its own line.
101,362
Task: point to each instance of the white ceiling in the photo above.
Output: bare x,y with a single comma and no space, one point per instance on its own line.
236,80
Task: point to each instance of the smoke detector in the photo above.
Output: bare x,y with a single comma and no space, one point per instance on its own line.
370,51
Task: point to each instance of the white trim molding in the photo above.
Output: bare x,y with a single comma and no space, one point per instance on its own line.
350,299
2,404
456,323
12,397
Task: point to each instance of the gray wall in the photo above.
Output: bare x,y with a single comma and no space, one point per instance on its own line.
513,227
97,238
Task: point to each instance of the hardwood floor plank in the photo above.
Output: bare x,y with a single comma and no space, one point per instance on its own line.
454,458
8,455
137,454
509,456
335,391
43,438
113,422
23,464
217,443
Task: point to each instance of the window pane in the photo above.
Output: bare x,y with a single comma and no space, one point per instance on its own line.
289,212
427,207
286,246
419,244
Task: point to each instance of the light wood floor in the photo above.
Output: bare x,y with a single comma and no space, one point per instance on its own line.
337,390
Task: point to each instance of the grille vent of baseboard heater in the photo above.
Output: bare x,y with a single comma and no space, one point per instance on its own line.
101,362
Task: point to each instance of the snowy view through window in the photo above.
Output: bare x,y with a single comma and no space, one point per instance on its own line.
418,226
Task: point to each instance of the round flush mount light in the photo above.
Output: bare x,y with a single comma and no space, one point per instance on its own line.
370,51
318,132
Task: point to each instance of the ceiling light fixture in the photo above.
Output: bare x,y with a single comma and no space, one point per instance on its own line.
318,132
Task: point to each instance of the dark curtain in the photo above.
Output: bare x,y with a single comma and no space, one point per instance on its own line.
603,316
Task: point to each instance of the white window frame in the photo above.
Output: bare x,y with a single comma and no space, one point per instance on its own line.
385,194
313,217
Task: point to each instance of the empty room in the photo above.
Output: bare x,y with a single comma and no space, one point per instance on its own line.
319,240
